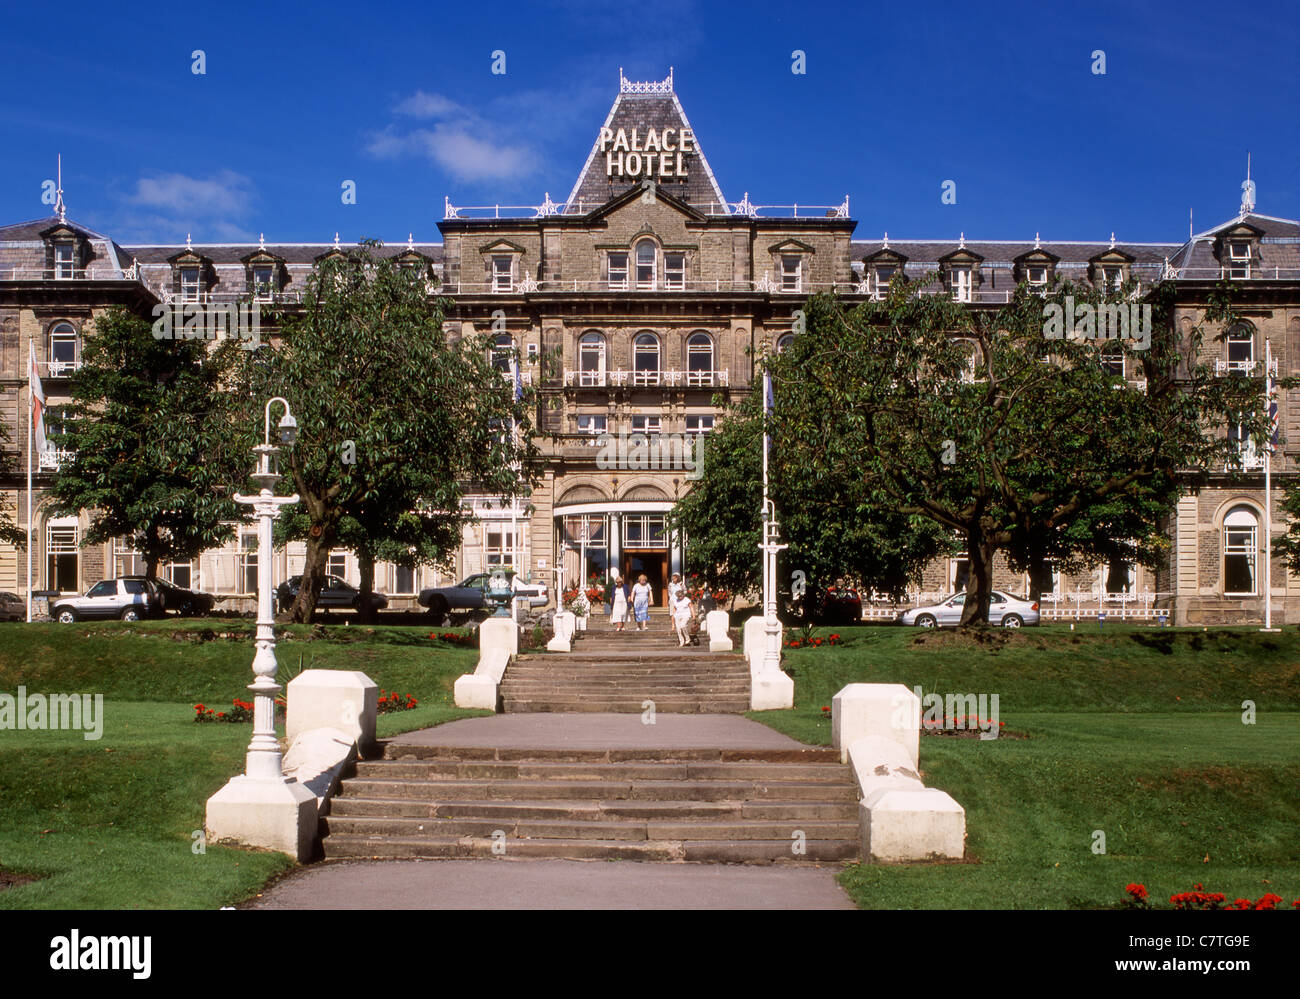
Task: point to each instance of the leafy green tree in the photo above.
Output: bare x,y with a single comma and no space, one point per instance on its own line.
154,446
394,414
978,422
833,522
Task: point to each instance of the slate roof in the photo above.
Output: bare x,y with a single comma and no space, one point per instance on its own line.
1279,248
644,112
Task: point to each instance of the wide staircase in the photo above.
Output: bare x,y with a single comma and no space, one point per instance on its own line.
737,806
622,671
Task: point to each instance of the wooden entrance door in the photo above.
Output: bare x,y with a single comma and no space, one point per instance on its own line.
654,564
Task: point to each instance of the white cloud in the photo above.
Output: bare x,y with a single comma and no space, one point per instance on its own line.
467,145
225,194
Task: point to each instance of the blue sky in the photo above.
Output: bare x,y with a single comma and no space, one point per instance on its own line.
897,98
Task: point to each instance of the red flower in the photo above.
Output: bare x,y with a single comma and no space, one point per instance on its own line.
1139,892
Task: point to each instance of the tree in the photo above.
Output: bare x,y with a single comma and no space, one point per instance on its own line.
397,419
986,425
833,523
154,446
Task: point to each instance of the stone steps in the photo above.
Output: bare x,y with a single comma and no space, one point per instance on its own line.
705,804
692,705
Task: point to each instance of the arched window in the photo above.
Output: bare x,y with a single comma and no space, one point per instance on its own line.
503,346
1240,527
784,341
646,254
591,358
699,359
63,352
1241,350
645,359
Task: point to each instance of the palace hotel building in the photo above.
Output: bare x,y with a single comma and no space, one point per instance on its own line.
638,305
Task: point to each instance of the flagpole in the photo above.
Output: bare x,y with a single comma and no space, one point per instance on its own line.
1268,490
31,417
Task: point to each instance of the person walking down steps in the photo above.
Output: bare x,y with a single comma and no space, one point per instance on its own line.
641,598
683,612
675,587
619,603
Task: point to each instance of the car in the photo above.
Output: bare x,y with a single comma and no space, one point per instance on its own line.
1005,610
130,598
335,594
471,595
12,607
186,603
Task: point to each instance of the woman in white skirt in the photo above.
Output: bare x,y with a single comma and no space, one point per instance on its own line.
618,616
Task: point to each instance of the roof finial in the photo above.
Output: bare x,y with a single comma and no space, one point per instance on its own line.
410,241
59,207
1037,246
261,241
886,243
188,244
1112,239
961,242
336,240
1247,190
1190,230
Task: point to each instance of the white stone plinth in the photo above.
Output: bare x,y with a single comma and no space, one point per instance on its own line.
770,691
481,688
887,710
752,637
716,623
277,815
498,633
912,825
882,764
318,760
564,624
332,698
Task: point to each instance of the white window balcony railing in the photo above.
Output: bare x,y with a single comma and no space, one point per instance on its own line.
1222,367
60,369
641,379
52,459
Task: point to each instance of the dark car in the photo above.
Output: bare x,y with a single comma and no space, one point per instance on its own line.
335,594
186,603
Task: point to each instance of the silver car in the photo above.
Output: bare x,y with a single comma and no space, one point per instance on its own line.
1004,610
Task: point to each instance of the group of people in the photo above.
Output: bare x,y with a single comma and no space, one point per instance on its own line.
685,613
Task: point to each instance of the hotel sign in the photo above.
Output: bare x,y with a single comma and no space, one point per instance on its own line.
646,154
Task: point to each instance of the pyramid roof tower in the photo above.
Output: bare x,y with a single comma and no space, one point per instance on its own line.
646,136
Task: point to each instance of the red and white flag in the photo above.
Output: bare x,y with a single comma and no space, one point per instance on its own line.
38,404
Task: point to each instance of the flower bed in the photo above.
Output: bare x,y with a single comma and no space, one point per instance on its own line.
390,701
1199,899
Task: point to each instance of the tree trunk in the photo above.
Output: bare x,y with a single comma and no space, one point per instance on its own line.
366,612
313,576
980,552
1040,576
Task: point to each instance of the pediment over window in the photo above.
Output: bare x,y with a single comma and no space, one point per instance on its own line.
1035,263
885,257
1113,262
502,246
790,246
962,256
67,251
192,273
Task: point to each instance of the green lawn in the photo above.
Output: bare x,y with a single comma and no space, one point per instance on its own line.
1134,732
109,823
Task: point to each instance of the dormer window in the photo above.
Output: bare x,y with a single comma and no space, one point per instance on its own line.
1239,258
646,253
1037,276
791,272
884,274
960,281
263,282
189,284
618,271
64,261
503,272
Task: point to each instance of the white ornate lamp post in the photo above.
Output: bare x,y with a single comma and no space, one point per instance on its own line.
264,751
261,807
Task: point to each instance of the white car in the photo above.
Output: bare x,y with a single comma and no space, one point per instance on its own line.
1004,610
